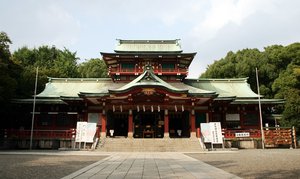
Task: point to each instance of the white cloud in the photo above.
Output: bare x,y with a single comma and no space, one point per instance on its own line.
223,12
34,24
60,26
248,24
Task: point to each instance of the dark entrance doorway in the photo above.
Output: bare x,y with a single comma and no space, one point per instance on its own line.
179,125
117,124
148,124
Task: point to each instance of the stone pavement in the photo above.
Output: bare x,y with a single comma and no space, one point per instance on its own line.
149,165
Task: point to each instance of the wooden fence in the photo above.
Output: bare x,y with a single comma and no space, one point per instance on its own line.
274,137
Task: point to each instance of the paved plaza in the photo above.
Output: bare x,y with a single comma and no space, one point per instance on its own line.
149,165
53,164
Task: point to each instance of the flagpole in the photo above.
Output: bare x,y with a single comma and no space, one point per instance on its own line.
33,108
260,113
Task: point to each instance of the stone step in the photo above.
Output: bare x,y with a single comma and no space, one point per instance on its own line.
151,145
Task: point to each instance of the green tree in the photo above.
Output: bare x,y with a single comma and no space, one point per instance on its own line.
93,68
8,74
52,62
7,82
287,86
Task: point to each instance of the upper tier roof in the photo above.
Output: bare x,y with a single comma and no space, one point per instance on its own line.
133,46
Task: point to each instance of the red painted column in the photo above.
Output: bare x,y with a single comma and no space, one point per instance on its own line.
192,122
198,132
166,124
130,124
103,124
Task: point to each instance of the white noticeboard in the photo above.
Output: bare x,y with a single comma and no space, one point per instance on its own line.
216,132
85,132
80,131
205,132
90,132
212,132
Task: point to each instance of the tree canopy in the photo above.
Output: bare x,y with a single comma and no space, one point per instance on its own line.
279,74
8,70
93,68
18,69
52,62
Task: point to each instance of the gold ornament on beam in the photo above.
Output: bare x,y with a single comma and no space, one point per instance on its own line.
148,91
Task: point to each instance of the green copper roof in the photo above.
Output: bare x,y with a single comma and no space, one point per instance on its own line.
238,91
133,46
192,90
71,87
226,88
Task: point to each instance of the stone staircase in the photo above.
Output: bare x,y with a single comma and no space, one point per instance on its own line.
150,145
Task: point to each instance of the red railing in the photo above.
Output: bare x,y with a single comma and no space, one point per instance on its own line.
39,134
246,133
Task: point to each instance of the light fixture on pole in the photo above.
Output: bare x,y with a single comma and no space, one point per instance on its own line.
33,108
260,113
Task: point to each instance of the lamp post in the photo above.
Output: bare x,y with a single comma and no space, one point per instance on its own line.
260,114
33,108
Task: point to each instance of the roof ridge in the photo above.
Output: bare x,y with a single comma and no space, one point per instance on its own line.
51,79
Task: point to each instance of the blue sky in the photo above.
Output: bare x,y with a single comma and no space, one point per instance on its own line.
209,27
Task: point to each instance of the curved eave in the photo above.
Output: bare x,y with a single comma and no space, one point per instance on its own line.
229,98
39,101
150,52
68,98
115,58
210,95
83,94
147,54
256,101
218,79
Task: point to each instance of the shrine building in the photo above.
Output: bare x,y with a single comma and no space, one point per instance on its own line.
148,95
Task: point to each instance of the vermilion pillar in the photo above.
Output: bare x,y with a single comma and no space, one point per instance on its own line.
130,124
166,124
103,124
192,123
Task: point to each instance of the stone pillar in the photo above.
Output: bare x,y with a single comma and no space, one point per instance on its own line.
130,124
192,123
103,124
166,124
